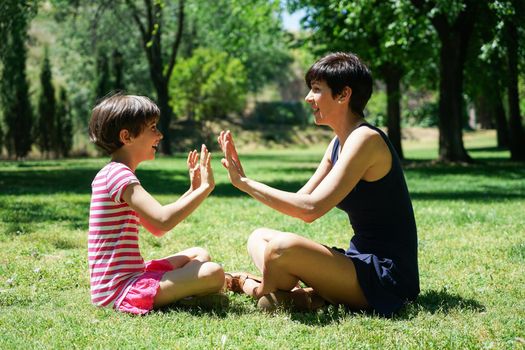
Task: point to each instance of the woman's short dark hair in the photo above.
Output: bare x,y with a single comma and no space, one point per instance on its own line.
118,112
342,69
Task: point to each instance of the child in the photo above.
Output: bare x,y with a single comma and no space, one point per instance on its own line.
125,126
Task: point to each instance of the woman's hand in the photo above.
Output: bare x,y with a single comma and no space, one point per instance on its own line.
194,170
206,171
231,159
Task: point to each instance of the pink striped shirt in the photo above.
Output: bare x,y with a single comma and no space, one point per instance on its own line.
113,247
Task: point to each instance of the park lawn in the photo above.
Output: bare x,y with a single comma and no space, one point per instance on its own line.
471,227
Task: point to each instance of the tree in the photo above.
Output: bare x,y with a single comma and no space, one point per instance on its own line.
64,124
453,22
161,63
103,82
513,18
208,85
249,30
485,75
496,70
14,88
157,25
118,70
45,132
388,35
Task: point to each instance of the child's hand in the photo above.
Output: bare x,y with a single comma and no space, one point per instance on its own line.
206,170
194,169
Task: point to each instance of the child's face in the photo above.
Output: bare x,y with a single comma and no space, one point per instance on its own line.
146,144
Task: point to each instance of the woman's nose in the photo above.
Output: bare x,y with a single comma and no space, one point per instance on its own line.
308,97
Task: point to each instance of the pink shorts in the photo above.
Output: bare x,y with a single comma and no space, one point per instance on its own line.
139,299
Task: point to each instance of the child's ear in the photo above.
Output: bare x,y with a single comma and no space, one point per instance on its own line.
125,136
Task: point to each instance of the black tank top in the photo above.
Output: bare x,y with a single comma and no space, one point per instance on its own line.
382,218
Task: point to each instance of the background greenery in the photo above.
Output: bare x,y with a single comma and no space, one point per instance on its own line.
451,64
471,256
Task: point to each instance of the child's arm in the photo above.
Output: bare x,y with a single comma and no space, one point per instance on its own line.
159,219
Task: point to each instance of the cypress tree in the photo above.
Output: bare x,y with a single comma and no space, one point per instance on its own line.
64,125
118,68
14,89
103,83
46,133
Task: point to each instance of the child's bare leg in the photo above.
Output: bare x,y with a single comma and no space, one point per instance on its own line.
193,274
182,258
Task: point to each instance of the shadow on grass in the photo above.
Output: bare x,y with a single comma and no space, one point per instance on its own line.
431,301
76,179
219,310
439,301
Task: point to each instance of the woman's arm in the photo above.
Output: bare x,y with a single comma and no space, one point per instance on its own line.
360,152
159,219
323,168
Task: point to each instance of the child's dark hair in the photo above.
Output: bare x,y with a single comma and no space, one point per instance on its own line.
342,69
118,112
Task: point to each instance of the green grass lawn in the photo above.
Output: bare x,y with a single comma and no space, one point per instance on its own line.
471,223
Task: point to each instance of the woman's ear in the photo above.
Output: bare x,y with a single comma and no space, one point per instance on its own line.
345,95
125,136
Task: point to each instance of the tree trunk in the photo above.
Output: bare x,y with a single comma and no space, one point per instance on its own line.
501,122
393,80
160,65
516,133
454,38
451,146
484,112
166,114
118,68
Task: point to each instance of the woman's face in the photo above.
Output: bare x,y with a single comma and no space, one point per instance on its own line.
324,105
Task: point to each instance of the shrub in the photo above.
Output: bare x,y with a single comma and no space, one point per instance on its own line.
208,85
280,112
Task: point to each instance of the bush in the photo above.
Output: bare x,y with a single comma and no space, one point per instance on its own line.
208,85
280,112
425,115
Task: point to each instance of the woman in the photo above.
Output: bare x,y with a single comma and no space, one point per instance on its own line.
361,174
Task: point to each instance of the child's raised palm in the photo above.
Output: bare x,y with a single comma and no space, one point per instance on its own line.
194,169
206,171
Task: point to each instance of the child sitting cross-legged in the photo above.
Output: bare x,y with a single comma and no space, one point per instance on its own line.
125,126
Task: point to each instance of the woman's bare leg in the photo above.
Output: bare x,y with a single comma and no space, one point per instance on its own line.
193,274
289,257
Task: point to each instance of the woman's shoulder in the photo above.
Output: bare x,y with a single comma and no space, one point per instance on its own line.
366,135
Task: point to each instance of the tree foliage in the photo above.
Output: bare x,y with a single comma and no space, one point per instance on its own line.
388,35
249,30
45,133
14,89
209,84
64,125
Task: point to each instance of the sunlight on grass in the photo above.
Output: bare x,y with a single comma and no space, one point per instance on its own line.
471,256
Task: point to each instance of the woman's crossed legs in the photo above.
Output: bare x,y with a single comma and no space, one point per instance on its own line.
286,258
